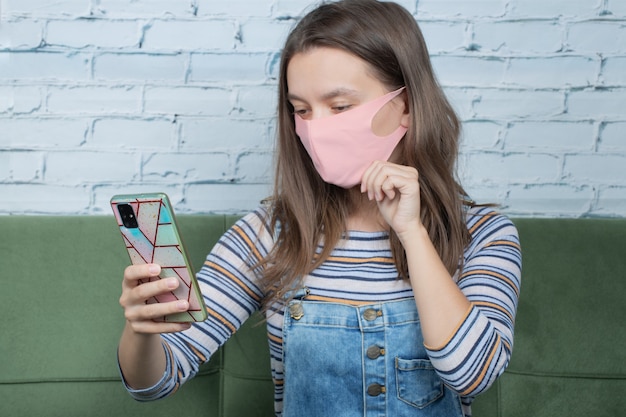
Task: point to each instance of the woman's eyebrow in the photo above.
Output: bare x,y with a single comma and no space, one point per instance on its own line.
337,92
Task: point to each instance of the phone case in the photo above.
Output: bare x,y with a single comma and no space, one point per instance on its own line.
150,233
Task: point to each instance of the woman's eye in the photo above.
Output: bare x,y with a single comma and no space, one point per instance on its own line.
300,112
342,108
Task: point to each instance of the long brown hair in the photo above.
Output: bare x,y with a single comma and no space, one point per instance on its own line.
387,37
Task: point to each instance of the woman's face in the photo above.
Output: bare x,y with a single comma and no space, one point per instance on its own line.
325,81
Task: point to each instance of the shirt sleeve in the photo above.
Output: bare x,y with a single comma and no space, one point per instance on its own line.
228,281
480,349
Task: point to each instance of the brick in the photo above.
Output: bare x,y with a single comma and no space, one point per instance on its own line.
223,133
514,104
228,68
94,99
597,103
99,33
498,167
462,100
103,193
224,198
552,72
45,7
518,36
613,137
460,8
144,134
551,135
468,70
27,99
20,100
595,168
139,66
6,99
264,34
614,71
410,5
273,66
42,133
617,8
554,8
611,202
480,134
190,35
234,8
187,167
145,8
559,199
487,194
44,66
20,166
87,167
188,101
284,8
597,37
255,167
258,101
20,34
43,199
443,36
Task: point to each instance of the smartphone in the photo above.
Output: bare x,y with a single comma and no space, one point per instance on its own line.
150,233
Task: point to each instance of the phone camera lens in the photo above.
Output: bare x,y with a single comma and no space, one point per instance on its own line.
128,216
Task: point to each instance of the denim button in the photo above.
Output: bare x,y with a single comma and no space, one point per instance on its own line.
375,390
296,311
370,314
374,352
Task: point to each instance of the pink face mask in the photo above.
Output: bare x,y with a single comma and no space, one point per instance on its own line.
343,146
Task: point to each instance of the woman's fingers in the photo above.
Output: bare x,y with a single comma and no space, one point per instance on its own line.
382,179
138,287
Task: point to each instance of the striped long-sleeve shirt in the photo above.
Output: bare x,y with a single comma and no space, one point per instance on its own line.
360,270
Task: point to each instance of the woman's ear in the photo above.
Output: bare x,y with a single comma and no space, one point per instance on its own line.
406,115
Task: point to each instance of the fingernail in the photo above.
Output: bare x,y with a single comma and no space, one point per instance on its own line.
182,305
172,283
154,269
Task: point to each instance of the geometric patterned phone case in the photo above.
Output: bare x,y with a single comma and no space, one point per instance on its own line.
150,234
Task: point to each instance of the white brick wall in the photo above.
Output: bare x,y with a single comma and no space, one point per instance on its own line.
99,97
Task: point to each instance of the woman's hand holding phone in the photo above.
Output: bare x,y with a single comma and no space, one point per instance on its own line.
137,289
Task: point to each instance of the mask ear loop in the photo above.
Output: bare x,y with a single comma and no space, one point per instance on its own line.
391,96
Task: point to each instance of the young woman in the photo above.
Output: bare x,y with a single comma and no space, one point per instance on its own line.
386,290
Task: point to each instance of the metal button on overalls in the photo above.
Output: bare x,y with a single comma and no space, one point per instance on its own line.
373,352
296,311
375,390
370,314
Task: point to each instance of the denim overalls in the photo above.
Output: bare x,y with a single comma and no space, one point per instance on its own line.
345,361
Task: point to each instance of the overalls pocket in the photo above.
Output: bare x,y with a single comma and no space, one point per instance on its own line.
417,381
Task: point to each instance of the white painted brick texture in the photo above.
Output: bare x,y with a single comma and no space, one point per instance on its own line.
99,97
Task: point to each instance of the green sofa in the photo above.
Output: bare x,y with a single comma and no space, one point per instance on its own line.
61,320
